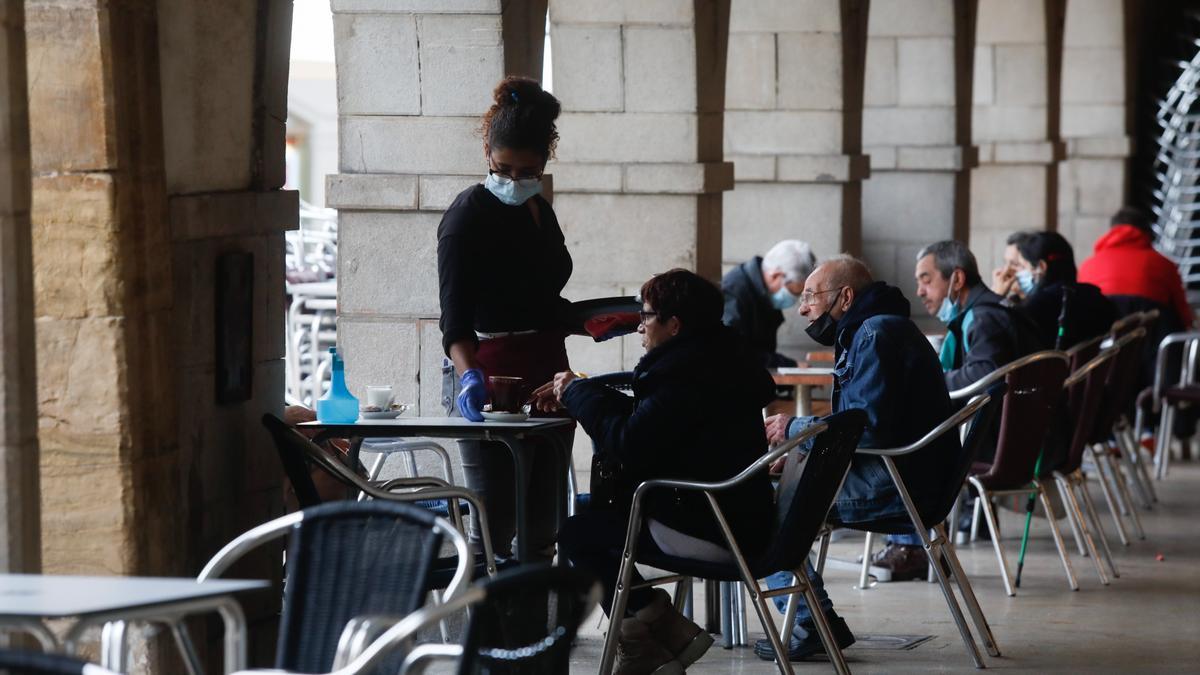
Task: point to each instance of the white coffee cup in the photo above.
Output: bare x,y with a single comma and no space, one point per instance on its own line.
379,396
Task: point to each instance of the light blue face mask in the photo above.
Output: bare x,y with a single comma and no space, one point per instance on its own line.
783,298
1025,281
512,192
948,310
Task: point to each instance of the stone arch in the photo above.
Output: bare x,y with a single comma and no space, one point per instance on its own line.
1093,179
1014,122
793,129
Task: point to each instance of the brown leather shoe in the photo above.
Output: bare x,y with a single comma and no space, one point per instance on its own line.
685,640
638,653
905,562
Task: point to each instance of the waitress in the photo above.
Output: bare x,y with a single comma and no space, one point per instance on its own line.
502,265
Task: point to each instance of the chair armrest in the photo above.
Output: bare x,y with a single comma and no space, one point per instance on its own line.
419,657
980,386
418,482
760,464
951,422
1160,361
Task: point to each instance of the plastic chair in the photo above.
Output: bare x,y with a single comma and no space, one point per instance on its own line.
809,483
980,412
1034,388
346,560
1085,389
40,663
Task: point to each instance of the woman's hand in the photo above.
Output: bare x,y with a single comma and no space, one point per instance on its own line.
1003,279
777,426
543,399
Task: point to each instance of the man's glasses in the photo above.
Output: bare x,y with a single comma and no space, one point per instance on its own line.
808,297
644,316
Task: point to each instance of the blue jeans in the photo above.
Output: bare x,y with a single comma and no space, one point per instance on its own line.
867,495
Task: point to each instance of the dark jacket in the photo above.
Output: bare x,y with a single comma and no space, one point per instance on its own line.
695,414
748,310
885,366
1089,313
995,336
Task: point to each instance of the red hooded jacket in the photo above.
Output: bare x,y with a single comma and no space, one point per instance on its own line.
1125,263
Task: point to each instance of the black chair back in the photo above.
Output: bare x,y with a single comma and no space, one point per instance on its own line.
1033,394
1122,380
979,434
810,482
527,621
1084,400
349,559
37,663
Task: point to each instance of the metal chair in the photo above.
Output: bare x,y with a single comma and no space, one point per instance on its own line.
40,663
809,483
1169,398
1085,388
345,560
981,412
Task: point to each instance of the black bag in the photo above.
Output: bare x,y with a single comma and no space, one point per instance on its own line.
612,490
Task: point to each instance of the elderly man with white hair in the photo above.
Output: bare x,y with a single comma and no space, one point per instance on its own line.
757,292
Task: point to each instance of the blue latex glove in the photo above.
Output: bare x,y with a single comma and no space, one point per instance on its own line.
473,395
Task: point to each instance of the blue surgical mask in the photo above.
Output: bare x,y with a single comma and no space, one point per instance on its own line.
1025,281
783,298
512,192
948,310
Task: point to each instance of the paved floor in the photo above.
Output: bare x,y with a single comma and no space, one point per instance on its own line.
1148,620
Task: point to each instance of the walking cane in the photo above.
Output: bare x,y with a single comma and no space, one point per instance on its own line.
1037,467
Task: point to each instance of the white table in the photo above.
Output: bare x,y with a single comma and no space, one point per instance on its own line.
803,379
512,435
28,600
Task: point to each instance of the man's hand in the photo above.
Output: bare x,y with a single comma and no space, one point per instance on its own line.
561,381
777,426
543,399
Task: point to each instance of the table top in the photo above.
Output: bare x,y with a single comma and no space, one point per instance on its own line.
52,596
813,376
428,426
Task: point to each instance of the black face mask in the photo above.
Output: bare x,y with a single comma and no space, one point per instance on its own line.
823,330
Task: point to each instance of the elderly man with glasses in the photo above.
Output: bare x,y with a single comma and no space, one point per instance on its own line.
885,366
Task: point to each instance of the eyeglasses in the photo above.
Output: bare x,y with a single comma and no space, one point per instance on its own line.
644,316
807,297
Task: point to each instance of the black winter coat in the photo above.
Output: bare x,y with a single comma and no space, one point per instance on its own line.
1089,313
749,312
696,414
996,336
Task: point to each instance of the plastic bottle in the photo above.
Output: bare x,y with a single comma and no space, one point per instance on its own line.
338,405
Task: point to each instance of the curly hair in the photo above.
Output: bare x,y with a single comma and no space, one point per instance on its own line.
696,301
522,117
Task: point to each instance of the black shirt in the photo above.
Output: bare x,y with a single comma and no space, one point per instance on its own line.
498,270
1089,313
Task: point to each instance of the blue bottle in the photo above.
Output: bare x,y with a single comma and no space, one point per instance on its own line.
338,405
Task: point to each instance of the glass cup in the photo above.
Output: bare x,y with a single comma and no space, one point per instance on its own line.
379,396
508,393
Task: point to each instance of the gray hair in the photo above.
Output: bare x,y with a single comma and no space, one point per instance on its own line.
950,255
794,257
846,270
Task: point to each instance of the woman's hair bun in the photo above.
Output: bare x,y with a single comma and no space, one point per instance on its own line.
522,116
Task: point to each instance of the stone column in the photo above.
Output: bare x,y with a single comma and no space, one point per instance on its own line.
639,172
794,129
1015,125
910,132
1093,181
20,508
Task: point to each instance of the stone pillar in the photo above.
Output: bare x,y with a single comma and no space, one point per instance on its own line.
639,172
1093,181
20,508
1015,124
918,164
794,129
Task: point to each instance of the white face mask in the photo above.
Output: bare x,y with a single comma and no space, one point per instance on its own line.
512,192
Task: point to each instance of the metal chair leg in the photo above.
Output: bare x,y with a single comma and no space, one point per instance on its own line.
712,606
1058,540
1067,492
950,555
1071,518
1109,496
822,623
1090,508
994,528
1123,491
1129,461
191,660
1162,441
864,578
975,512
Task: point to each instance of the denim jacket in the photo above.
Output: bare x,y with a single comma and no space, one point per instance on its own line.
885,366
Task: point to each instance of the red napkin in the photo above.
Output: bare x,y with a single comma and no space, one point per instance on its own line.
606,326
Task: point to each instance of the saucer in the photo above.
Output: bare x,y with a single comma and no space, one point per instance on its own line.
380,414
503,416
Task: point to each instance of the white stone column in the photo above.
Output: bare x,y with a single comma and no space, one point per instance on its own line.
1093,181
414,78
909,131
1012,188
793,129
639,171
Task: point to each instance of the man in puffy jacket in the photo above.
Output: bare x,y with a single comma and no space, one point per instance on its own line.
759,290
884,366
